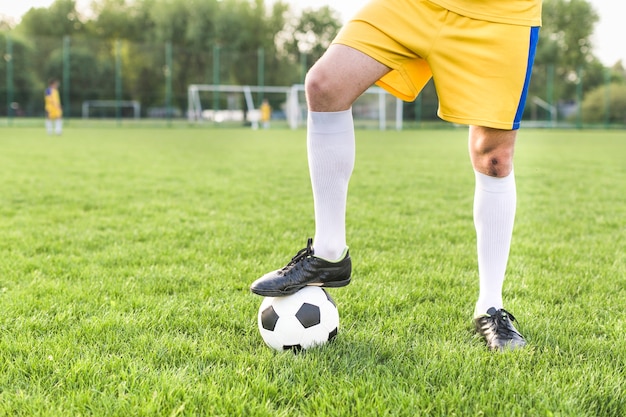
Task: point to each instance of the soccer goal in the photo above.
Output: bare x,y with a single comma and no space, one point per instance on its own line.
551,110
374,109
235,103
108,108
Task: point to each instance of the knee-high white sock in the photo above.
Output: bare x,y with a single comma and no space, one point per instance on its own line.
494,215
49,126
331,151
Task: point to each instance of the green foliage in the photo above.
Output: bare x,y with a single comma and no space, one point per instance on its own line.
618,73
565,43
237,42
313,33
566,31
91,78
24,79
119,19
606,104
59,20
126,255
234,36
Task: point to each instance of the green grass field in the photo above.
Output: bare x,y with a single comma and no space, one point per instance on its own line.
126,255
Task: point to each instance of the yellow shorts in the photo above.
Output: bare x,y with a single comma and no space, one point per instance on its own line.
54,113
481,69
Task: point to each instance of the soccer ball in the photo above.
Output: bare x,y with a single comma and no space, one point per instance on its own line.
299,321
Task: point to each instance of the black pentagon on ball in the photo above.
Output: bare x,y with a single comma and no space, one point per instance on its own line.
269,318
293,348
332,335
329,297
309,315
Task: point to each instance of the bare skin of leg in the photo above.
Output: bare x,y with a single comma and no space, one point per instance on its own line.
340,76
491,150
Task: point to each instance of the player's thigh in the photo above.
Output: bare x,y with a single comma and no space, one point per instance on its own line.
340,76
398,34
482,70
54,114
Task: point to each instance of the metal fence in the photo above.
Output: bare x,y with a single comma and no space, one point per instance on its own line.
150,81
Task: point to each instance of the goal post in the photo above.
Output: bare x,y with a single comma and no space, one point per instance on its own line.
240,103
551,109
375,108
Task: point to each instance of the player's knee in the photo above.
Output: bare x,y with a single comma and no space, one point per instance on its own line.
315,85
496,162
495,165
492,151
319,88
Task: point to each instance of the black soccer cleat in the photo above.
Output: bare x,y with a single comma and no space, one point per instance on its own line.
304,269
496,327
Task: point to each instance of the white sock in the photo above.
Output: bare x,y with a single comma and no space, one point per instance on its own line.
331,150
49,126
494,215
58,126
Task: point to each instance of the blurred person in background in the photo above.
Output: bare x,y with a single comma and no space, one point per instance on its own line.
54,111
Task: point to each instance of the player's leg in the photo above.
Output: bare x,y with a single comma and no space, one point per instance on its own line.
491,150
49,126
332,85
380,45
491,153
58,126
339,77
482,78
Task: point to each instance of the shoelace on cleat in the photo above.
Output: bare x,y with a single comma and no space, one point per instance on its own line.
301,255
502,320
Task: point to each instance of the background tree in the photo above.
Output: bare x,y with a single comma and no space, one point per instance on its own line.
605,104
91,78
58,20
44,30
27,87
565,49
309,35
120,19
618,73
228,41
237,36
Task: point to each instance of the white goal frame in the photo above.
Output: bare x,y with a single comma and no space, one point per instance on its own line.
134,104
552,110
385,104
196,113
295,105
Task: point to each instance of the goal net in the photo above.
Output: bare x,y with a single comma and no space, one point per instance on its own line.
109,108
239,104
375,109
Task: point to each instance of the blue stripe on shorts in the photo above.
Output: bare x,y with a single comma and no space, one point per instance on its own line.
534,37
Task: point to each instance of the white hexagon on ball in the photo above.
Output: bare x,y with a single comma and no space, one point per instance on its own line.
299,321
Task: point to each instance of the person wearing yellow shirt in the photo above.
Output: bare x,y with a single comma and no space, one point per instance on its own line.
54,111
266,114
480,55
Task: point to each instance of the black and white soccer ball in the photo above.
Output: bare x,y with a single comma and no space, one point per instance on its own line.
299,321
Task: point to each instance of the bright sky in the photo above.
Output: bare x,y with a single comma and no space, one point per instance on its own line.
608,38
